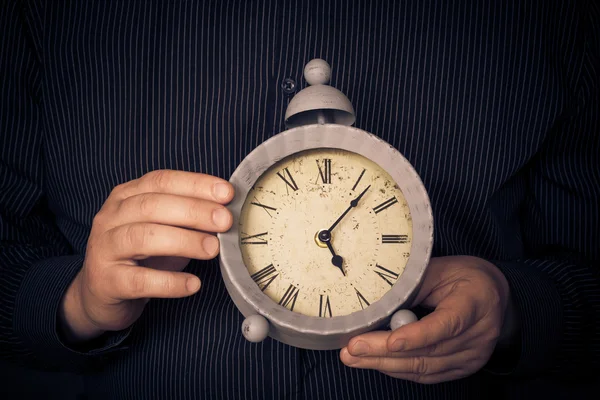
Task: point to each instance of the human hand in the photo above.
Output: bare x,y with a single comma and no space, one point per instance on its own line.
470,297
141,239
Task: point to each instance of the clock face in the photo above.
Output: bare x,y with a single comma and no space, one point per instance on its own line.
296,252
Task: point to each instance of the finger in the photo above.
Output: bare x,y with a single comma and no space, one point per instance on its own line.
412,365
445,376
375,344
180,183
135,282
142,240
453,316
166,263
175,210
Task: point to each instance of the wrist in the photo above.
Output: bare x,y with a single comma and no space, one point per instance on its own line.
74,324
510,326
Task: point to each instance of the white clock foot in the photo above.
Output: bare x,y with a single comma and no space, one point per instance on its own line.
255,328
401,318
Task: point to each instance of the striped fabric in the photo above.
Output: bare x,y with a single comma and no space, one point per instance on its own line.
495,104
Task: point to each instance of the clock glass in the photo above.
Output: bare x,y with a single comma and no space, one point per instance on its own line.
325,232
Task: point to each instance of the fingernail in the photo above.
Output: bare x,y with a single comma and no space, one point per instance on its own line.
192,284
348,358
220,217
210,244
398,345
221,191
360,348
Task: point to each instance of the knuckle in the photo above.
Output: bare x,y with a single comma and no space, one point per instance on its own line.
136,285
159,179
419,366
100,220
431,350
167,285
147,204
136,235
195,211
118,192
379,363
455,325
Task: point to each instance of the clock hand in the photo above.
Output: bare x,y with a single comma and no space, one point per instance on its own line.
353,204
336,260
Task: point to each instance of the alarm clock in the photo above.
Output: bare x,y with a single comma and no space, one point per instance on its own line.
332,227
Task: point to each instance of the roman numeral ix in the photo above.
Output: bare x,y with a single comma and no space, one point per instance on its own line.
264,207
255,239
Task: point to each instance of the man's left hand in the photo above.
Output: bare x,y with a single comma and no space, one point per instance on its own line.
470,298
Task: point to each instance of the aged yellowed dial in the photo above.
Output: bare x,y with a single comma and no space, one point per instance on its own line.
325,232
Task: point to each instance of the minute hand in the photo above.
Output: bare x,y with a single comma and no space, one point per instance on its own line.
353,204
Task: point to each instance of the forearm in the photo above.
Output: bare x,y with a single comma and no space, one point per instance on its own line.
552,325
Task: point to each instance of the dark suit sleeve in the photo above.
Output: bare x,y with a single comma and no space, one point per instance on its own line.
556,290
37,264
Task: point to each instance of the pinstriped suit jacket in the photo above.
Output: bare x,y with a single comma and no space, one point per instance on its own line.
496,105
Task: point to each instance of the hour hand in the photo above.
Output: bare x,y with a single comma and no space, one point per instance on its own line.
336,260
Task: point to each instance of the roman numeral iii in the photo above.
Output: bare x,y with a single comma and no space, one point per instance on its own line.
394,238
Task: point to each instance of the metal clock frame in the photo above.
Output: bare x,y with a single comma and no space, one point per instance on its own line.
310,332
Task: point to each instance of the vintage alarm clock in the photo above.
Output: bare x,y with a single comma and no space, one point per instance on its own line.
332,227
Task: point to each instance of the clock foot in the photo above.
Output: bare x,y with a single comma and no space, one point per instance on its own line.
401,318
255,328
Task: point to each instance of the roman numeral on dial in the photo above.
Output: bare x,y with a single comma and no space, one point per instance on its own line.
325,307
255,239
325,172
394,238
361,299
265,276
289,297
264,207
359,178
288,179
386,274
386,204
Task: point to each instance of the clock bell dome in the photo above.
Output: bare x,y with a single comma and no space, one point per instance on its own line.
319,103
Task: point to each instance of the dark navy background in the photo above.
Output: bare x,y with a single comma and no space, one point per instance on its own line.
495,104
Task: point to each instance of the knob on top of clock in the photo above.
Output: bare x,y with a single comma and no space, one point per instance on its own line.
319,103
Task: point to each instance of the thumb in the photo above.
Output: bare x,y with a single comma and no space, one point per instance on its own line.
431,279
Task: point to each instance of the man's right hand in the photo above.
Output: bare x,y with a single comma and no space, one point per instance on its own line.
141,239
